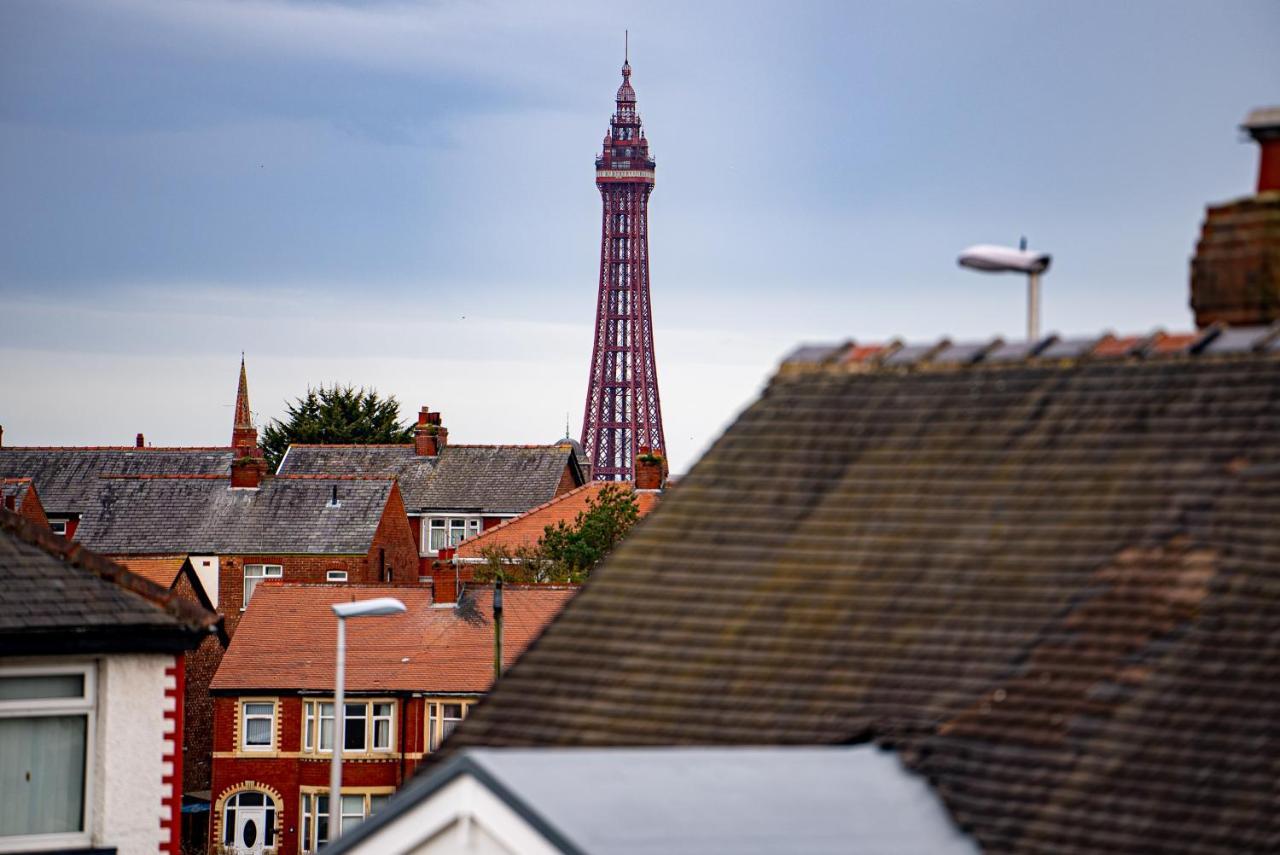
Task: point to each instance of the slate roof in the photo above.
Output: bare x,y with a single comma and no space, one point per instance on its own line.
497,479
1052,583
57,597
527,529
450,649
159,516
643,801
66,477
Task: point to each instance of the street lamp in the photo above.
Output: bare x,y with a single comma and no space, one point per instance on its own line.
361,608
1005,259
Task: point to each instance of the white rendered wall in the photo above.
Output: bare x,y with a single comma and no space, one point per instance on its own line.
133,736
206,567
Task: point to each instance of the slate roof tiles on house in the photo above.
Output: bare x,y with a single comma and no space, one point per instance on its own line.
67,477
158,516
450,649
1053,584
57,596
527,529
497,479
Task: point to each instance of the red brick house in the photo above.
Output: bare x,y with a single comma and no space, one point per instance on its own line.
410,679
451,492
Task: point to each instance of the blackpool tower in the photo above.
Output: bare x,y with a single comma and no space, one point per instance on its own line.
623,415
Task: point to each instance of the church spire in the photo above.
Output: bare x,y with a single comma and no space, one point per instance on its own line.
244,436
243,418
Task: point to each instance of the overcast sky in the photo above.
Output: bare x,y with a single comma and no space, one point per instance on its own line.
401,195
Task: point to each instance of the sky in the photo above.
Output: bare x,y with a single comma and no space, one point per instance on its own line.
401,195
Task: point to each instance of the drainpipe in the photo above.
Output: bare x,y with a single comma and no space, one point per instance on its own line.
497,630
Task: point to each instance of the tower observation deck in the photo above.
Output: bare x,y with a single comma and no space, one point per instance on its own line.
623,415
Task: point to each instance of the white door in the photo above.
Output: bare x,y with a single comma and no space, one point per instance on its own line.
251,831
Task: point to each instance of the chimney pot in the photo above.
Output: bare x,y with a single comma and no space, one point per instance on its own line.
139,442
422,415
1263,125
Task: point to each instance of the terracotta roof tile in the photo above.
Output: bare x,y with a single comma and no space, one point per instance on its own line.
449,648
527,529
161,571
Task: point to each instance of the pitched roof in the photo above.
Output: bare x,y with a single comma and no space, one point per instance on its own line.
1050,582
67,477
56,596
141,516
526,530
161,571
498,479
450,649
25,497
640,801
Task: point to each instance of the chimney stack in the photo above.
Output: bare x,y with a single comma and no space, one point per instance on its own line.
429,437
139,442
1235,274
651,470
248,472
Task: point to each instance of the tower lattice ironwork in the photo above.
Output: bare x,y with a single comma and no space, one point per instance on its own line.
623,415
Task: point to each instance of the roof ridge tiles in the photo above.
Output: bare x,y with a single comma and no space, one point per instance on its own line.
116,448
316,477
1052,348
351,445
176,476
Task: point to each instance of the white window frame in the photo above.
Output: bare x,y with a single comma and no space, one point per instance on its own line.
266,574
309,812
58,527
244,724
86,704
468,524
335,575
313,718
436,718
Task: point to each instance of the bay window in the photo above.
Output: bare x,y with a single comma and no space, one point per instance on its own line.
355,808
46,752
367,726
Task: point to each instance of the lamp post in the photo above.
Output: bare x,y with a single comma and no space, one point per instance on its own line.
1005,259
360,608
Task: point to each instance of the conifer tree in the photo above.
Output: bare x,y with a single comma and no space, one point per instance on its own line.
336,414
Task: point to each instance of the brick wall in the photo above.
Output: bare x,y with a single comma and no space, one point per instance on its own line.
396,537
568,481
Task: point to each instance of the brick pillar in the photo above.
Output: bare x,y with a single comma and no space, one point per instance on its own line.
651,470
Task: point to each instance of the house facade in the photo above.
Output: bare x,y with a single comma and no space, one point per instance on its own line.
411,679
91,713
